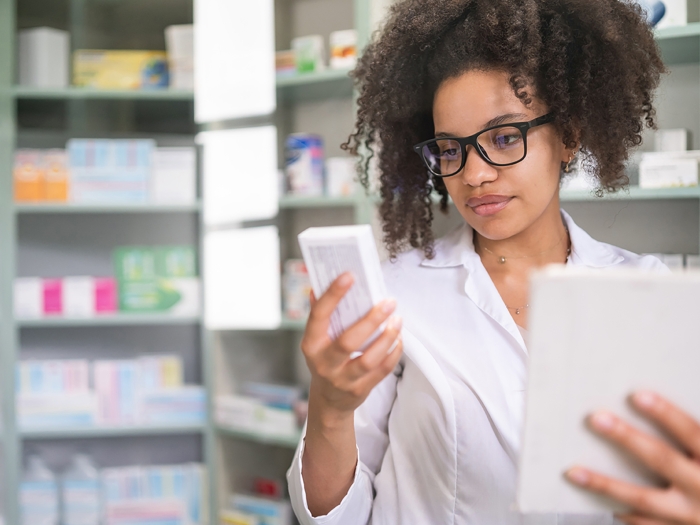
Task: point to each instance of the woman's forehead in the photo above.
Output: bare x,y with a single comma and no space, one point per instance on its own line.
466,104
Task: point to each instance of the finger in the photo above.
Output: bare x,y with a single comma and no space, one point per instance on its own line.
320,315
642,499
376,352
680,424
356,336
653,452
385,368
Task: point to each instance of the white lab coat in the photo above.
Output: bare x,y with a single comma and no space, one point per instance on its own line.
438,439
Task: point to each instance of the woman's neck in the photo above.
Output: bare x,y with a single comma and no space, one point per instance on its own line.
544,242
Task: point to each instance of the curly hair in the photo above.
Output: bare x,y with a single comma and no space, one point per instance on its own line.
594,63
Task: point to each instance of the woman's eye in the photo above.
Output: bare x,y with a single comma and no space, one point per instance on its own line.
504,141
452,152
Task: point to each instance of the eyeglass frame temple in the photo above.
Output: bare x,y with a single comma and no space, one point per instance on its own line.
463,142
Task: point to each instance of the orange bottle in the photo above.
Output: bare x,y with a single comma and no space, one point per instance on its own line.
28,175
56,175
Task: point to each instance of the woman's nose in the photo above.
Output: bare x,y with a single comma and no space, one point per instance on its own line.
476,170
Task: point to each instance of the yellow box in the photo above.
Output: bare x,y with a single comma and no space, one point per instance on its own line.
102,69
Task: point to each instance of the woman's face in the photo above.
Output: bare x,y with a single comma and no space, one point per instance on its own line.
499,202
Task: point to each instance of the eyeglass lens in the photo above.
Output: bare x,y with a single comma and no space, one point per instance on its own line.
504,145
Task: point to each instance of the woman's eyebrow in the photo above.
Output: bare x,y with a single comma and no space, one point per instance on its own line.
508,117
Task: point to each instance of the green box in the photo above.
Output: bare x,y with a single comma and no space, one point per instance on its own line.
157,280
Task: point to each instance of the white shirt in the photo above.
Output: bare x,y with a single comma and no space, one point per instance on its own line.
438,439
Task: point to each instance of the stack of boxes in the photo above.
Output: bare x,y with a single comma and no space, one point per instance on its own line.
106,172
44,56
145,391
271,411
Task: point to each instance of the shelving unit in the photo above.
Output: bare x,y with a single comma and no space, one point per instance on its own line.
46,118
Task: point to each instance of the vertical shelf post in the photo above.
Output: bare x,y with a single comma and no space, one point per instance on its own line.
11,453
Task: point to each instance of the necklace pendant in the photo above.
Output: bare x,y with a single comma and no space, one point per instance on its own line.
502,260
517,311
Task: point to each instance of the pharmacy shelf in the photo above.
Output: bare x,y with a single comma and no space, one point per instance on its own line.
304,87
109,320
107,208
98,432
292,324
631,194
302,201
259,438
680,45
72,93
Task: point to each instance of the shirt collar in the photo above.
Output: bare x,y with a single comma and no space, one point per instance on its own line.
457,248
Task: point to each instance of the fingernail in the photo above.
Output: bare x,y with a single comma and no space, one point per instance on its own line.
578,476
388,306
345,279
644,399
603,421
395,322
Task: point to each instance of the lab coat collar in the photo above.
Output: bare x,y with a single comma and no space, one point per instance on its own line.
457,249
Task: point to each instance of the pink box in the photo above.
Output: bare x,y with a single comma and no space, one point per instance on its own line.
53,297
105,295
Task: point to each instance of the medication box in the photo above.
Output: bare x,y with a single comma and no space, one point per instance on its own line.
309,53
343,46
304,164
667,170
332,251
680,13
101,69
158,280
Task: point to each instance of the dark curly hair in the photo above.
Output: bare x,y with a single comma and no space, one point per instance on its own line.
594,63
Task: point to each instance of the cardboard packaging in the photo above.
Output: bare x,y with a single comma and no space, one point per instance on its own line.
340,176
174,176
309,52
109,171
43,57
671,140
101,69
157,280
179,44
668,170
28,175
343,46
680,13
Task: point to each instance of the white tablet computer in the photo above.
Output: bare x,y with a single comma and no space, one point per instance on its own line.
596,337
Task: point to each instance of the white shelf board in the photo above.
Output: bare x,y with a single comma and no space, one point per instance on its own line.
109,320
31,208
96,432
259,438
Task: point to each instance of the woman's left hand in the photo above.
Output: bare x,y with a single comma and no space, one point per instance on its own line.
679,503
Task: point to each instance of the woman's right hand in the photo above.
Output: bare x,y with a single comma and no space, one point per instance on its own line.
339,383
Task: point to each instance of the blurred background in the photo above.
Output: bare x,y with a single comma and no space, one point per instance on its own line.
157,160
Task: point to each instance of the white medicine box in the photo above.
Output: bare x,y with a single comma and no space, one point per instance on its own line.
680,13
672,140
669,170
44,57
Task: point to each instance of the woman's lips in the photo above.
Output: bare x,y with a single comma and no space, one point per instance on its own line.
488,204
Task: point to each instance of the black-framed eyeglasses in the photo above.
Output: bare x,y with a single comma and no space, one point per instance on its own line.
502,145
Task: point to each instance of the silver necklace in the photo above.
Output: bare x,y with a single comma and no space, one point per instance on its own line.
503,260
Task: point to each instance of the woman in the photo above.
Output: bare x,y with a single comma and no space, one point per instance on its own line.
487,102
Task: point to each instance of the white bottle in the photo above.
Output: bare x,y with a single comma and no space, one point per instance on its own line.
80,492
38,494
